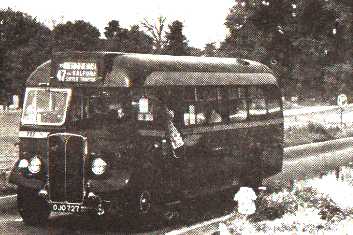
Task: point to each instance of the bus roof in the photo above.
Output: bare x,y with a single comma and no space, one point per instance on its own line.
117,69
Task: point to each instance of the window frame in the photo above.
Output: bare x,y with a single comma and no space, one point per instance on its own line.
180,98
266,90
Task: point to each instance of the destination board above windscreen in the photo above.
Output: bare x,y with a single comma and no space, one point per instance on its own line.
77,72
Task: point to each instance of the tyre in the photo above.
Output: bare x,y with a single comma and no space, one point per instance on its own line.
33,209
144,202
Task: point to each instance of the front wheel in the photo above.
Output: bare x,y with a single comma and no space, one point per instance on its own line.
33,209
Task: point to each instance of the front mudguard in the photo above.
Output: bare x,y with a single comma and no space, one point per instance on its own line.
117,180
16,177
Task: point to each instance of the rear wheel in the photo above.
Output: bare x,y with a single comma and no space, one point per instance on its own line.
144,202
145,208
33,209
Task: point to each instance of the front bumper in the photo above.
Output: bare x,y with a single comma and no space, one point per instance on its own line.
99,208
92,204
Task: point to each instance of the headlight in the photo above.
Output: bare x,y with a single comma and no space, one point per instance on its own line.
23,163
98,166
34,165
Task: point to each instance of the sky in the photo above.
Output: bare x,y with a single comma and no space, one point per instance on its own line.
203,19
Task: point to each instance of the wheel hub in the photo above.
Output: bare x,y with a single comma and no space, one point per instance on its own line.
145,202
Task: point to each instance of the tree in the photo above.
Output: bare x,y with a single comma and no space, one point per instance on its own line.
137,41
116,36
176,41
157,32
22,61
210,49
194,51
78,35
126,40
291,34
113,30
25,44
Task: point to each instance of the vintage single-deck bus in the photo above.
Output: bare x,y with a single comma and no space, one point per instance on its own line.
133,133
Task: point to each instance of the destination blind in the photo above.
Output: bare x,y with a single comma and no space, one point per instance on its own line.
77,72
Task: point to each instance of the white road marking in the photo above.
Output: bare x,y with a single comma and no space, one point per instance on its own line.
9,196
200,225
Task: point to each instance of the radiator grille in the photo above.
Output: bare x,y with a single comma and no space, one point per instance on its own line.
66,162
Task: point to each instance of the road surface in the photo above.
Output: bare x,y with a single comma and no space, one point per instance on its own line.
207,209
195,213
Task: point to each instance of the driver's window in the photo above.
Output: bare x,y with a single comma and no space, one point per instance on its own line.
77,108
30,108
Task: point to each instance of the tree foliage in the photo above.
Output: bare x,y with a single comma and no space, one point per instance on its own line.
126,40
297,38
25,44
138,41
78,35
176,41
210,49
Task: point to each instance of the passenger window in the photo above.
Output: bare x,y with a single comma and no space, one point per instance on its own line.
238,111
273,106
149,110
106,105
194,114
189,94
202,106
207,94
145,109
208,105
214,117
237,104
257,103
189,115
273,97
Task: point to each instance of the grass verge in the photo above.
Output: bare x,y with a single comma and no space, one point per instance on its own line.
312,206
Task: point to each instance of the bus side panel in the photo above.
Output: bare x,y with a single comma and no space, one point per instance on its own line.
270,148
256,151
243,162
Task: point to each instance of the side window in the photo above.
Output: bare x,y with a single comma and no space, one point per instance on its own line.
173,97
257,102
194,111
202,106
273,97
150,112
208,110
145,109
189,115
237,104
106,105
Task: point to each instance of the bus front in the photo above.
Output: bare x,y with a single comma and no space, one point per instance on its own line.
55,171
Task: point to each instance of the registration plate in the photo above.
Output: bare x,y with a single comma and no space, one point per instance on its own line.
61,207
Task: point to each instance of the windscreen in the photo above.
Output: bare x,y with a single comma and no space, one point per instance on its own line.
45,106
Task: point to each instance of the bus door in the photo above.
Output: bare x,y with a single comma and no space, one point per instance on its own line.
204,140
162,142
